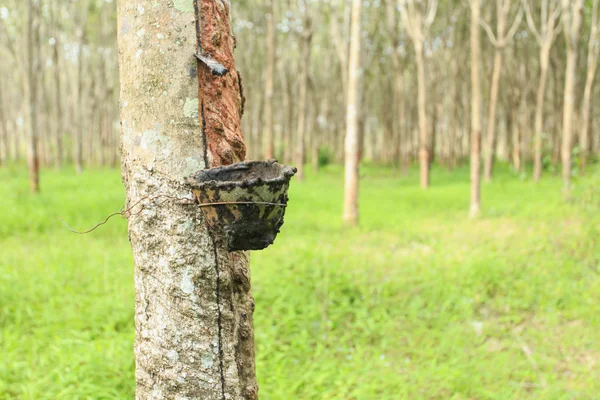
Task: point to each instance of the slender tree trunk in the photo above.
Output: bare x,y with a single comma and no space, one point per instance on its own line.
16,143
433,138
314,158
490,143
79,108
5,152
539,113
288,106
93,114
585,118
475,113
302,98
270,79
572,11
454,141
58,106
351,144
254,147
516,139
397,150
193,309
423,137
318,132
102,135
592,63
557,107
32,97
388,117
508,121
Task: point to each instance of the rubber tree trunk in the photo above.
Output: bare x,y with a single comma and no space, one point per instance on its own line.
399,149
193,306
423,138
516,139
300,143
557,98
5,152
33,160
288,106
269,80
58,99
351,143
592,63
475,113
539,113
490,142
79,108
585,117
572,11
568,111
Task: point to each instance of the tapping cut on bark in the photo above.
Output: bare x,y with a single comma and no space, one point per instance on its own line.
220,94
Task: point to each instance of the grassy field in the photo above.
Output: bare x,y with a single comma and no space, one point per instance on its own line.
417,303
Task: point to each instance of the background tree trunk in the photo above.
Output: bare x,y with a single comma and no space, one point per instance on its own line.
592,63
572,14
194,330
417,25
270,79
288,123
4,140
545,36
79,107
306,38
475,113
352,112
539,114
499,40
423,134
33,74
490,142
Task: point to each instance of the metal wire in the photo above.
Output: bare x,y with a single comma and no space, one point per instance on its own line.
186,201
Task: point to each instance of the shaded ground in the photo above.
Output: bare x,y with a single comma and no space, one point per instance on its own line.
417,303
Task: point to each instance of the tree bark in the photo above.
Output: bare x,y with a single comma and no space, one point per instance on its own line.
557,98
592,63
539,113
399,151
572,13
417,26
568,110
4,139
490,143
32,97
302,95
270,79
58,99
193,312
288,125
423,137
16,143
475,113
516,140
79,108
351,143
394,152
545,36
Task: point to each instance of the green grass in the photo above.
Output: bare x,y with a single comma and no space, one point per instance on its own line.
419,302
